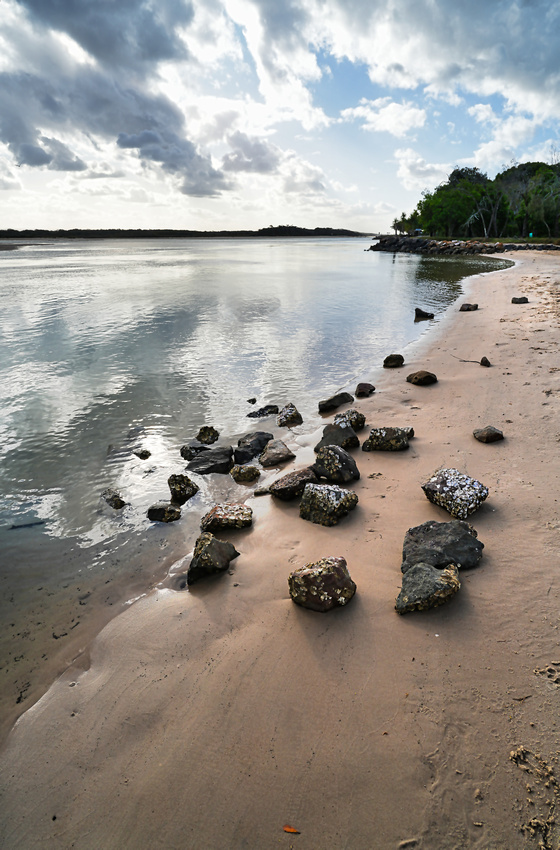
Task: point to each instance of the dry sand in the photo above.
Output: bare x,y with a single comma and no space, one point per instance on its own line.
209,719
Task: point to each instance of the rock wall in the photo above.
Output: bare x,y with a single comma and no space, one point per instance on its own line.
425,245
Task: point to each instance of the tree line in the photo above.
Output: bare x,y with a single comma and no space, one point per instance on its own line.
523,200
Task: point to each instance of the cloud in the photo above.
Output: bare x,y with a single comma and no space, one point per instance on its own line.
415,173
384,115
251,155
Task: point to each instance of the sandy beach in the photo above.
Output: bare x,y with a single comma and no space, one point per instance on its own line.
212,718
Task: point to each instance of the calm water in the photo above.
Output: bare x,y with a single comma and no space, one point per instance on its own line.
106,346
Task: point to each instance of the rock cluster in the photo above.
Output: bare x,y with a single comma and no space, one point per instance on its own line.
425,245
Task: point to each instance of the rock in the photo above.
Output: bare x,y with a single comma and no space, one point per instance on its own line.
455,492
143,454
164,512
440,544
113,499
352,417
485,362
468,308
393,361
424,586
245,474
488,434
251,401
182,488
335,464
207,435
292,485
192,450
363,390
267,410
326,504
289,417
422,378
210,556
386,440
522,299
276,452
335,401
214,460
323,585
232,515
409,431
342,435
251,445
420,314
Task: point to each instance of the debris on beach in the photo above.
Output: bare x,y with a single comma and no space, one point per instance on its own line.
292,485
293,830
488,434
322,586
245,474
210,556
420,314
422,378
275,452
440,544
351,417
208,435
364,389
339,434
335,401
289,417
326,504
182,488
218,460
251,445
424,586
335,464
164,512
386,440
393,361
456,492
113,499
229,515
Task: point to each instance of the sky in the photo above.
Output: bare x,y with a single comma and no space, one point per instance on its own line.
240,114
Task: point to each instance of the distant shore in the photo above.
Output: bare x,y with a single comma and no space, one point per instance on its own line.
280,232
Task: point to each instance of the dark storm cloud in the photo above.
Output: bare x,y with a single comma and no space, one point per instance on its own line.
252,155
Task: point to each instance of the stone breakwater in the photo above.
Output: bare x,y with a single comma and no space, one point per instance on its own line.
421,245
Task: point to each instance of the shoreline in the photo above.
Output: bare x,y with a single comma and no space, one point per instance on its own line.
229,711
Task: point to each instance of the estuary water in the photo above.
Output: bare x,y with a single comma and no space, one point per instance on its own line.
107,346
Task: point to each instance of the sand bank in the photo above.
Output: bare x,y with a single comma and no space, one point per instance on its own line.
212,718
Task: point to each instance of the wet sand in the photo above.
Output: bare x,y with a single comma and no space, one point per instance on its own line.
214,717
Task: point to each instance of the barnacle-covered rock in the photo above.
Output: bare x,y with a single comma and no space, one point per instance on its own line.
326,504
323,585
207,435
424,586
210,556
353,417
341,434
335,464
386,440
231,515
164,512
245,474
292,485
456,492
335,401
440,544
276,452
182,488
289,417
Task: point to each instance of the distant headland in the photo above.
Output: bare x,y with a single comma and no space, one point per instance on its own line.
281,231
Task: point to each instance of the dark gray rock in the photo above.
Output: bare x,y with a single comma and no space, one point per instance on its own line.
440,544
422,378
267,410
113,499
420,314
342,435
292,485
485,362
210,556
352,417
386,440
143,454
251,445
323,585
289,417
164,512
393,361
364,389
335,401
326,504
251,401
424,586
522,299
275,452
214,460
208,435
335,464
488,434
192,450
468,308
182,488
457,493
231,515
245,474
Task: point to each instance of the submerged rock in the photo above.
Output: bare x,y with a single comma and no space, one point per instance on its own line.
393,361
292,485
289,417
210,556
351,417
192,450
364,389
420,314
276,452
207,435
335,464
386,440
326,504
231,515
182,488
245,474
214,460
335,401
251,445
113,499
456,492
323,585
424,586
342,435
488,434
267,410
440,544
422,378
143,454
164,512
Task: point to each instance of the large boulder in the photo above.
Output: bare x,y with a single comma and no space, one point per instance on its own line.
214,460
326,504
231,515
251,445
393,361
323,585
182,488
422,378
424,586
164,512
210,556
207,435
488,434
342,435
335,401
245,474
289,417
275,453
457,493
440,544
335,464
292,485
351,417
386,440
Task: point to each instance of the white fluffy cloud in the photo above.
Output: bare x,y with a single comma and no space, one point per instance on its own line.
384,115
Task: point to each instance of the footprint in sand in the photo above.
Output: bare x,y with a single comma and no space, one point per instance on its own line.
551,672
